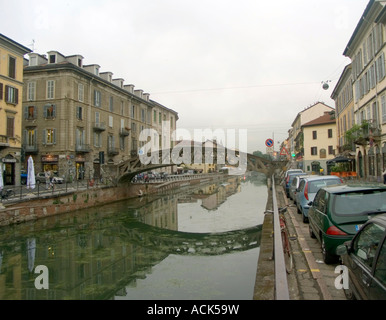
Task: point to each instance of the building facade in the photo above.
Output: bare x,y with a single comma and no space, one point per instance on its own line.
296,137
319,143
77,119
366,49
11,91
345,117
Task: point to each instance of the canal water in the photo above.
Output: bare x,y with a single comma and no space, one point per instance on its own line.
191,243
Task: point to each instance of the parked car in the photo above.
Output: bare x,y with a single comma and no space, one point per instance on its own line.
365,259
307,190
294,185
338,212
288,180
40,177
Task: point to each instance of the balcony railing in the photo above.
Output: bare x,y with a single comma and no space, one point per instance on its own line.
99,126
4,141
112,151
31,148
124,132
82,148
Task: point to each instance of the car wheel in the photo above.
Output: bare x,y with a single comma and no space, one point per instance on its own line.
305,219
328,258
312,234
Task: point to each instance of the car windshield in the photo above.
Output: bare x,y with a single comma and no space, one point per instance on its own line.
314,186
360,202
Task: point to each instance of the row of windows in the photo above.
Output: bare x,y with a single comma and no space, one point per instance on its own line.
49,138
315,134
144,115
314,151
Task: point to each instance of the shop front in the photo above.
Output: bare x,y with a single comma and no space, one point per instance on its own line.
50,163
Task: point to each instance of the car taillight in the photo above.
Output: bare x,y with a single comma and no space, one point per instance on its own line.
306,191
334,231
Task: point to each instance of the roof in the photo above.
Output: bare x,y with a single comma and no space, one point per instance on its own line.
325,119
352,187
17,46
315,104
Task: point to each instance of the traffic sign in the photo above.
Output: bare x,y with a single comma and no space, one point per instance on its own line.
284,152
269,143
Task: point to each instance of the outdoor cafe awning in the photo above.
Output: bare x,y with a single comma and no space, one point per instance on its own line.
339,159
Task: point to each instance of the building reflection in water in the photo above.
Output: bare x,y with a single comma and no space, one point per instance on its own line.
96,253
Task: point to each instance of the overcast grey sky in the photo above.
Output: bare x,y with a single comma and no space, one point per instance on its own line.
246,64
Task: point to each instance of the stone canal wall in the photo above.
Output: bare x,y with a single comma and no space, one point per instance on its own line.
30,208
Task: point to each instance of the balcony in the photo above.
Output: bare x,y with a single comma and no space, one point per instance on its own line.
124,132
112,151
31,149
99,126
82,148
4,141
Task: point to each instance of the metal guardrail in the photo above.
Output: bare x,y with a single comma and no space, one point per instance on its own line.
281,283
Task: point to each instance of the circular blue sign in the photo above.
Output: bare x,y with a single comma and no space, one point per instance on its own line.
269,143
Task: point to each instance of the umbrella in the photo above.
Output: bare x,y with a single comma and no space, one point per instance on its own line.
31,174
339,159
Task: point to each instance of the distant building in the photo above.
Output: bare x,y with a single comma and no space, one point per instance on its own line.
296,140
319,143
75,117
11,92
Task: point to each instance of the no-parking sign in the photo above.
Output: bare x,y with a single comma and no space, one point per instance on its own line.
269,143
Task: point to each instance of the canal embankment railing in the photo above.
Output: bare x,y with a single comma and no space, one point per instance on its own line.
281,283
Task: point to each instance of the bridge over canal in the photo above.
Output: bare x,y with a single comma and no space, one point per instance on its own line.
221,156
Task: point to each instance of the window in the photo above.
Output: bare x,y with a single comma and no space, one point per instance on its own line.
97,98
10,127
50,89
49,111
12,67
383,101
132,113
330,130
111,104
97,139
110,121
49,136
1,91
30,137
380,268
314,135
79,113
143,115
97,117
331,150
31,90
11,95
314,151
366,244
30,112
52,58
81,92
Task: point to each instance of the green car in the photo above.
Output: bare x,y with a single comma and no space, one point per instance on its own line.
338,212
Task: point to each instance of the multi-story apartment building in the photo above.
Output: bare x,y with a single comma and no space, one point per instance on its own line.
11,88
76,118
296,133
319,137
366,49
344,111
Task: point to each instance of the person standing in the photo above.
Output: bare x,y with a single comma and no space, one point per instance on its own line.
384,176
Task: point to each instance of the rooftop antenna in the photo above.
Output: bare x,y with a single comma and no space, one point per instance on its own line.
32,45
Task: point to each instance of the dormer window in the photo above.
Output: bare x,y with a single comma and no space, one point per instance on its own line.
52,58
97,71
